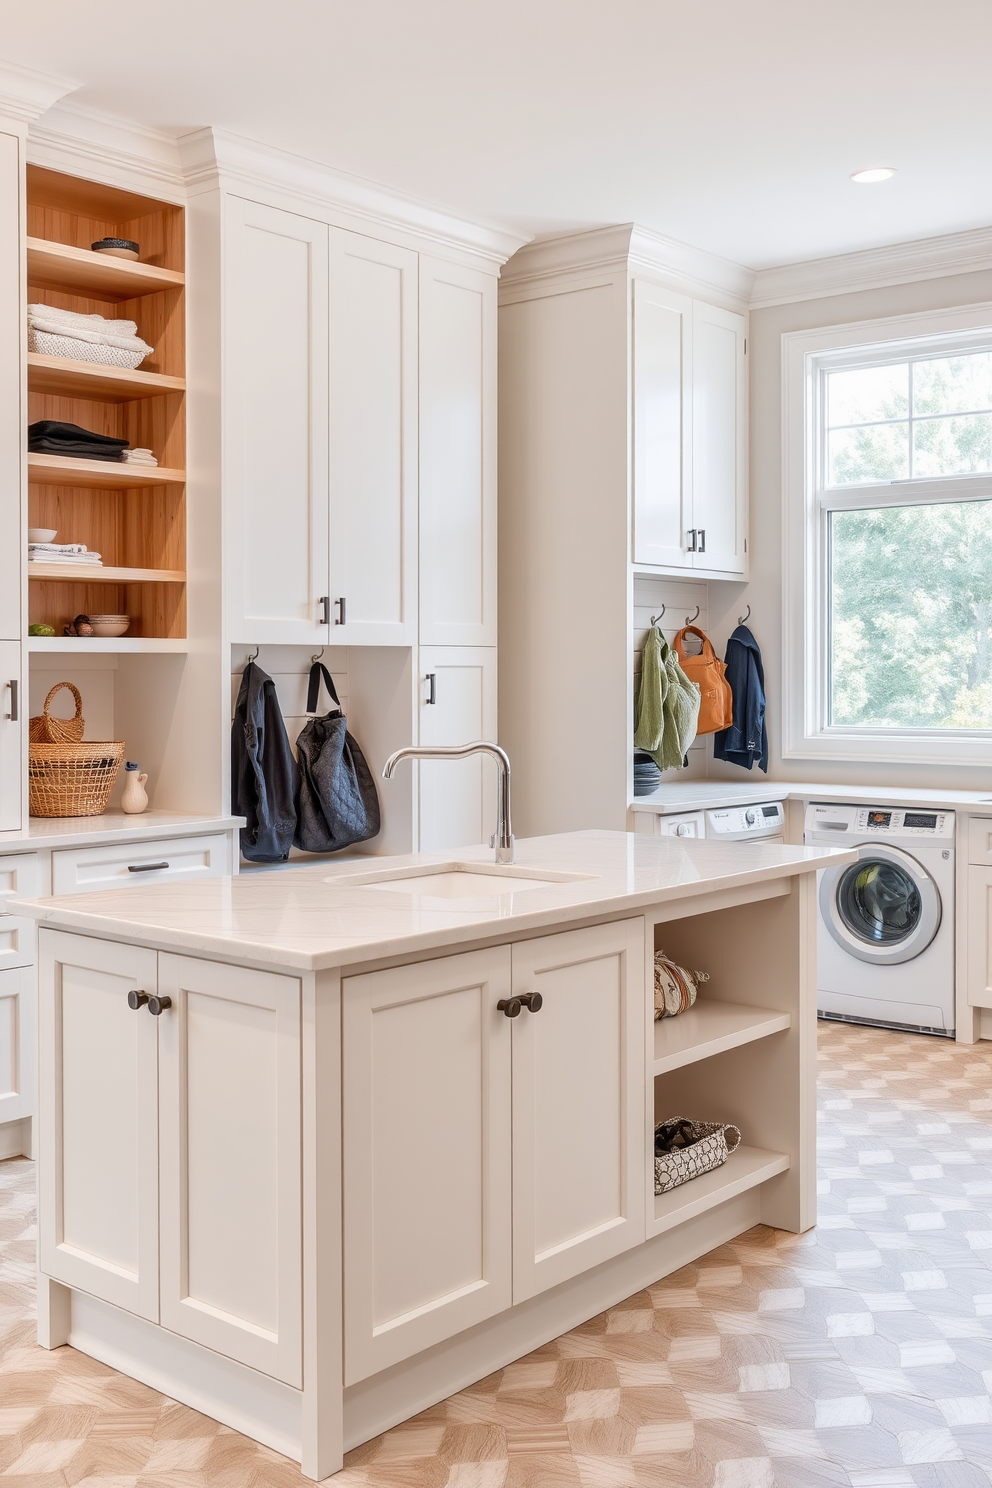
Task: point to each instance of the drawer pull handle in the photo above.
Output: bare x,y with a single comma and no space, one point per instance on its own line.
158,1005
510,1006
135,1000
145,867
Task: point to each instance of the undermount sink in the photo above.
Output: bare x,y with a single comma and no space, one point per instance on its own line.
458,880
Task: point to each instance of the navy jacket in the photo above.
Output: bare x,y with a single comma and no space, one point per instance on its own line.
747,738
263,771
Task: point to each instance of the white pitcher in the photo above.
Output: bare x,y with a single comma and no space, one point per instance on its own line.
135,797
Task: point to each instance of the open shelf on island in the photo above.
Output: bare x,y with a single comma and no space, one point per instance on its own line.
744,1169
711,1028
57,470
66,378
96,275
82,573
105,645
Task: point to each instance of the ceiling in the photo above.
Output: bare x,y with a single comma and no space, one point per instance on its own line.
733,127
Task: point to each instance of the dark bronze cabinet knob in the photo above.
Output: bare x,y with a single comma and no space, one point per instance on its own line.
135,1000
532,1000
158,1005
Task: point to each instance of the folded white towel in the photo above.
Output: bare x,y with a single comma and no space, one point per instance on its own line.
93,560
139,457
92,337
57,547
84,322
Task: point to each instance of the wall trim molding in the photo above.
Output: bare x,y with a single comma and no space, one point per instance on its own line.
624,247
211,157
25,93
874,268
103,147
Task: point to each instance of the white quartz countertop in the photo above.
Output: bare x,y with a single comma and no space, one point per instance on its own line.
312,918
713,795
111,826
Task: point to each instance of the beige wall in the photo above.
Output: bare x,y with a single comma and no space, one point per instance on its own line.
764,592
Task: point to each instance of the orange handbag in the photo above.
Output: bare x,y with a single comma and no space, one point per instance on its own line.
716,704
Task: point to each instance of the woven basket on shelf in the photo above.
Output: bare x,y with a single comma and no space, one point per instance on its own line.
44,729
72,779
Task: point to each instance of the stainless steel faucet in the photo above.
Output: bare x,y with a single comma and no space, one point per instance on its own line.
503,839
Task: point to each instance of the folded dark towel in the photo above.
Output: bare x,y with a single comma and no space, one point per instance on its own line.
77,450
53,429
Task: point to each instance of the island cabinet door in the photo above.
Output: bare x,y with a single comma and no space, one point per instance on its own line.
98,1118
578,1103
229,1141
426,1059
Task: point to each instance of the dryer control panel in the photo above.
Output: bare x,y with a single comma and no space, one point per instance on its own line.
765,819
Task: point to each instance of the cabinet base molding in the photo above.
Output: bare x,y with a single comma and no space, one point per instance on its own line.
15,1139
255,1404
384,1400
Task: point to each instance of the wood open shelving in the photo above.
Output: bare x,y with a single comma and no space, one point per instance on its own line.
81,573
57,470
134,515
95,275
64,378
711,1028
126,645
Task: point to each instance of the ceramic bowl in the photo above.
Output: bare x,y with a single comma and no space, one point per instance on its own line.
42,534
109,627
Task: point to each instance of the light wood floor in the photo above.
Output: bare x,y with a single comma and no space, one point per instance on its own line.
859,1354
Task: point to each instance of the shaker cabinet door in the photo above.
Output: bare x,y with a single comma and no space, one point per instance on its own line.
12,700
275,447
17,1043
426,1061
373,441
457,455
661,434
230,1154
578,1103
97,1108
457,705
719,439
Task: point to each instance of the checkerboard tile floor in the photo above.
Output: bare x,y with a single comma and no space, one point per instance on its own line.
858,1354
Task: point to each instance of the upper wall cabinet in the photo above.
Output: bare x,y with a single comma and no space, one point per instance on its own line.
458,312
276,424
373,441
689,437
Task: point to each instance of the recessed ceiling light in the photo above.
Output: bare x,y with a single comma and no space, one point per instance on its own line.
875,173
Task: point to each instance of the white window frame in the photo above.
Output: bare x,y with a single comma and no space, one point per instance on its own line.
805,613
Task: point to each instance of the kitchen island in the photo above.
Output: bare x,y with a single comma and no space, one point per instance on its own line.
319,1148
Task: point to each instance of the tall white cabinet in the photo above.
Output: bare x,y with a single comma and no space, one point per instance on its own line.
357,452
623,458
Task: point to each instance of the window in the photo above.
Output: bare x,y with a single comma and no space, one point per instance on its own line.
890,570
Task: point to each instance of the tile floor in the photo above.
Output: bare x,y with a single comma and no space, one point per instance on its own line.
859,1354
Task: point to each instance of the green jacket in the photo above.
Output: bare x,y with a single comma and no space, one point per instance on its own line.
667,705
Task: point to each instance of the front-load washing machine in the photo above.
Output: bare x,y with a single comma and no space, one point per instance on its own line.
885,947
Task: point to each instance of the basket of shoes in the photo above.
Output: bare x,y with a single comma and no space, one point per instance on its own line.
685,1149
44,729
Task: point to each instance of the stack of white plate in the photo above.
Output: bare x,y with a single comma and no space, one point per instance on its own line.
110,625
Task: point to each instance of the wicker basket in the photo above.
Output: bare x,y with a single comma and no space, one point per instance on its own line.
44,729
710,1144
72,779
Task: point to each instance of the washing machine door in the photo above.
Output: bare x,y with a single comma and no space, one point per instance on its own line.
885,908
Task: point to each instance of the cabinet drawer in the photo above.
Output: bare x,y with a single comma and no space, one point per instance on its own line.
689,825
980,839
84,869
18,877
16,942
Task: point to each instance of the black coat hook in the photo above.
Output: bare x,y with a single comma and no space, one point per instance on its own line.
741,619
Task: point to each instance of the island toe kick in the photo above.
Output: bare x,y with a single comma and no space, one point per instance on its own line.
311,1203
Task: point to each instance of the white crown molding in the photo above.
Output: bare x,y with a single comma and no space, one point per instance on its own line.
874,268
102,147
25,93
627,246
212,156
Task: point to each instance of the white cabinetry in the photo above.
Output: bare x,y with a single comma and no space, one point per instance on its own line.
978,914
457,798
373,441
438,1084
457,455
276,423
11,734
11,412
170,1144
18,878
689,433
